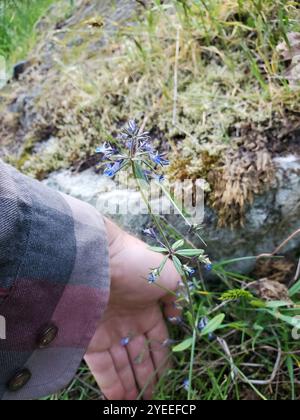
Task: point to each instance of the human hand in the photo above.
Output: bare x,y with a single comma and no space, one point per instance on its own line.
122,370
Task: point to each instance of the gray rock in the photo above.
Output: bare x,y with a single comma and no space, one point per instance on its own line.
269,221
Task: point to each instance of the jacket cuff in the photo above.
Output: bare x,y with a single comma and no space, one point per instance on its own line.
62,284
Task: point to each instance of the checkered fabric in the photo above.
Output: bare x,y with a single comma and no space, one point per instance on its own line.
53,269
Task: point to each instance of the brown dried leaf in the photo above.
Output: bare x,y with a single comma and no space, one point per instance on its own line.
270,290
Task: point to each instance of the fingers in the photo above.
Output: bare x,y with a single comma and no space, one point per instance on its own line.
169,277
169,300
142,365
124,371
104,371
160,352
171,310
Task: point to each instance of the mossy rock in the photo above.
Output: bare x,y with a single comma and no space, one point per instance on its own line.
100,64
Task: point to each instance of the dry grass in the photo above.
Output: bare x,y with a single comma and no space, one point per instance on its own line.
229,75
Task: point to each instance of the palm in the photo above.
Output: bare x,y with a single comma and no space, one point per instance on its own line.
134,312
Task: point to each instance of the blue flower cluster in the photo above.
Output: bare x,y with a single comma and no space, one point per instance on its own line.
137,148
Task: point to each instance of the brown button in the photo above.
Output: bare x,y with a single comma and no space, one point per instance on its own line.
47,336
20,379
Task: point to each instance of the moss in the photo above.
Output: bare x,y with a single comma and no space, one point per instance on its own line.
231,93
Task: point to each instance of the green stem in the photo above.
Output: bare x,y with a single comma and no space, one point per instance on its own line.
154,217
165,239
195,330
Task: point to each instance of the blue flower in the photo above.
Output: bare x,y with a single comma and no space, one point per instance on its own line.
106,149
150,232
159,159
190,271
153,276
208,267
125,341
145,146
132,128
203,324
139,150
186,384
113,168
129,144
191,286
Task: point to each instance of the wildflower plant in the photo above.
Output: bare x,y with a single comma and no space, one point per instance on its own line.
137,153
201,318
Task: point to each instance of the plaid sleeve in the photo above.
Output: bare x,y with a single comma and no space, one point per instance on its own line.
54,285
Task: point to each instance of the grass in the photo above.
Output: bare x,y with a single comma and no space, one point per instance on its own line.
18,19
230,92
252,357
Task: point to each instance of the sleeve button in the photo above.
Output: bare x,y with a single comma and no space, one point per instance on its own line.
20,379
47,336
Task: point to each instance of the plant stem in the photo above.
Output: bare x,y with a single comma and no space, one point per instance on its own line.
193,357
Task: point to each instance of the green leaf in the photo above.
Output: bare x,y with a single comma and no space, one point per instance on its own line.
158,249
295,289
178,244
186,344
140,175
258,303
184,214
290,366
275,304
178,265
293,321
190,252
213,325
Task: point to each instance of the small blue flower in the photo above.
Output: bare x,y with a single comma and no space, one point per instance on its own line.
132,128
186,384
159,159
113,168
129,144
190,271
150,232
125,341
153,276
147,147
208,267
203,324
106,149
191,286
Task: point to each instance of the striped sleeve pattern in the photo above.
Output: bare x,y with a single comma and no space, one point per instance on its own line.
53,270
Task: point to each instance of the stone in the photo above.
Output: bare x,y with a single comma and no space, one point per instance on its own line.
269,221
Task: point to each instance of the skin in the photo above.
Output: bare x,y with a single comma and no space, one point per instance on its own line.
136,309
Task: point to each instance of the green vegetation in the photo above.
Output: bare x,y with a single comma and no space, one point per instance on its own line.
252,355
18,20
209,76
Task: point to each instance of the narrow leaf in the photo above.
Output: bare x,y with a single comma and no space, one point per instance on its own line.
213,325
186,344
